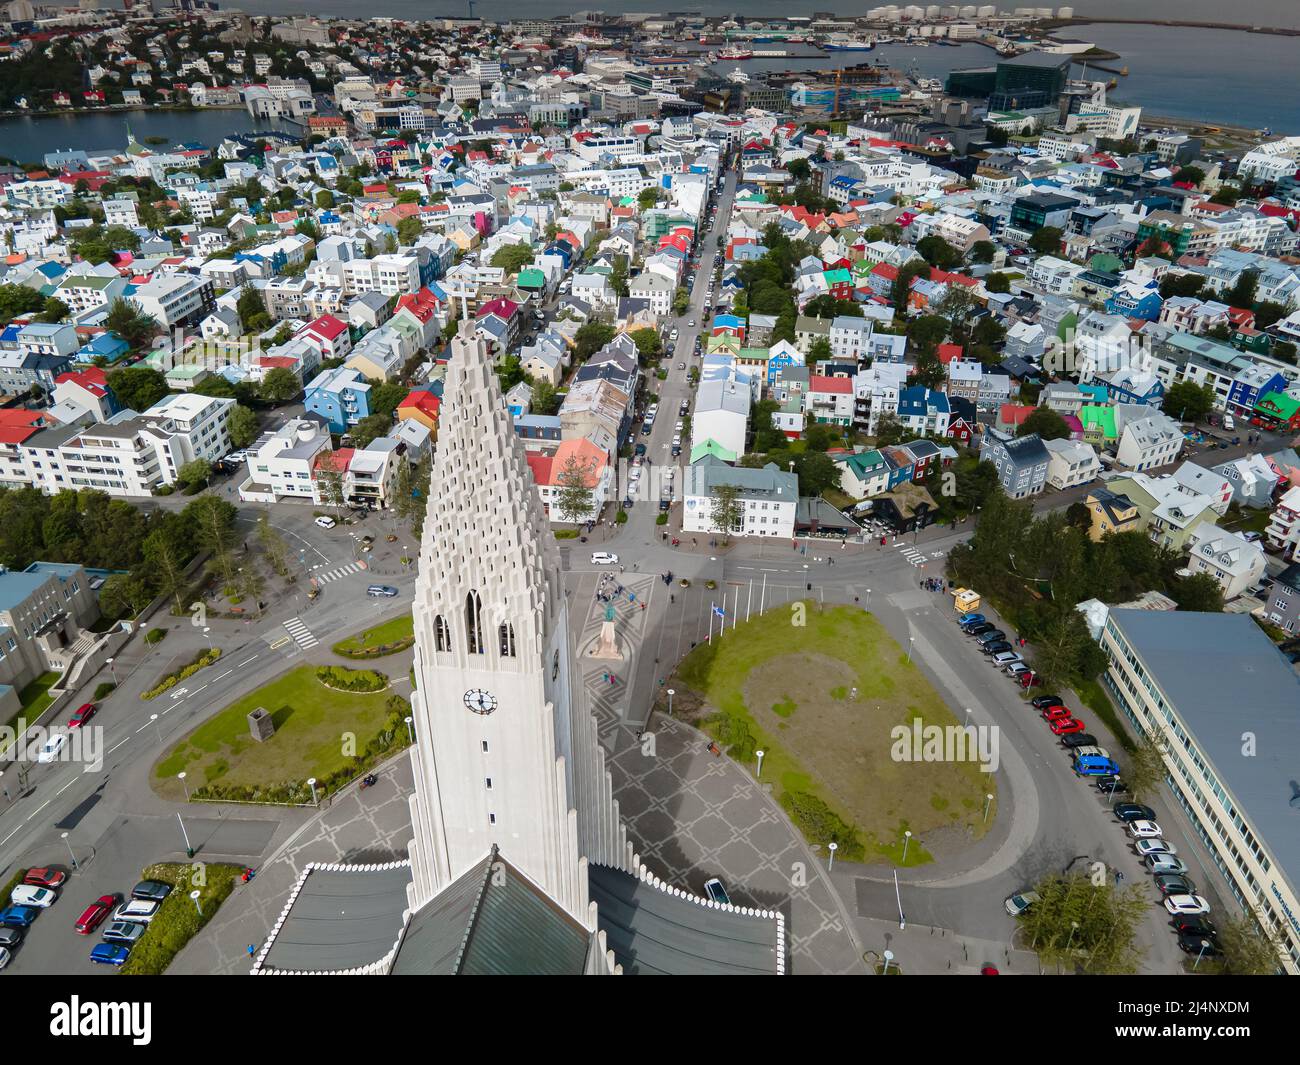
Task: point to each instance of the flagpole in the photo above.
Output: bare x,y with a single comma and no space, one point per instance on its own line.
762,598
712,605
749,599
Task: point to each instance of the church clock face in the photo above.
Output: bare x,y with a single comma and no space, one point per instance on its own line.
479,701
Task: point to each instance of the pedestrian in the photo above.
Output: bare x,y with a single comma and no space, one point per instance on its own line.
643,607
252,950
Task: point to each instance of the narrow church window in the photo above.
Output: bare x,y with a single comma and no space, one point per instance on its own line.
492,819
507,637
485,750
489,783
441,634
473,624
555,666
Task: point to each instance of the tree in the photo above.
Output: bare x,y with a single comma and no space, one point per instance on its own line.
591,338
242,426
329,484
957,305
1249,949
194,473
1188,401
123,594
411,493
1144,769
799,169
982,251
681,301
889,430
727,511
324,199
647,198
1084,923
817,472
1046,423
938,252
512,257
137,387
819,351
273,546
409,230
129,322
249,305
214,529
1191,175
574,495
901,290
1046,241
546,400
649,345
279,385
1242,294
167,561
1199,592
997,282
370,428
54,310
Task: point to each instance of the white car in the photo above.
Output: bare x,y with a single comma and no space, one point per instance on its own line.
1154,846
4,956
31,895
1144,829
691,323
604,558
1186,905
1162,864
50,751
326,522
1006,658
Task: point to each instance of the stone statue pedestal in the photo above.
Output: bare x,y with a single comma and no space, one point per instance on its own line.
606,647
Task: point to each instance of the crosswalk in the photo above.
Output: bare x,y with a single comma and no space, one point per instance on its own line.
917,558
335,574
297,628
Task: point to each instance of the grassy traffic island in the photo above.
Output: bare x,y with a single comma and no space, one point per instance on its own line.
820,700
321,732
386,638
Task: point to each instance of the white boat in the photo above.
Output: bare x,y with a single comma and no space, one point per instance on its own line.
849,45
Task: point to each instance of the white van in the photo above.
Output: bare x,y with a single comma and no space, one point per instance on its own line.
326,523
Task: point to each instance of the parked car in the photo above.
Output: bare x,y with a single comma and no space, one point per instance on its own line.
326,522
714,887
124,932
971,619
1055,713
604,558
381,590
4,957
1165,864
1186,905
31,895
50,749
1134,811
978,629
18,916
990,636
110,953
1174,884
151,890
1144,829
1201,946
1199,927
1154,846
1064,726
83,714
93,915
141,910
1042,702
1094,765
1005,658
45,876
1029,679
1108,785
997,647
1019,902
1080,739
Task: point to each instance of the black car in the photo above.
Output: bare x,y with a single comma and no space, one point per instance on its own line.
1195,926
1197,945
992,636
10,937
1042,702
980,629
1134,811
1175,884
997,647
1110,785
1080,739
151,890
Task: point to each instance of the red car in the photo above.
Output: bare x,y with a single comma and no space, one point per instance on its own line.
1031,680
1066,725
45,877
1055,713
95,913
84,713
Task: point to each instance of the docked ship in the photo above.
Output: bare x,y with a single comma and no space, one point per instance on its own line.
735,53
849,45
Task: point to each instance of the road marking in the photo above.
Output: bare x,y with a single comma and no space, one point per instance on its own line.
116,746
10,836
223,676
197,690
339,573
66,786
302,635
280,642
245,662
38,809
142,728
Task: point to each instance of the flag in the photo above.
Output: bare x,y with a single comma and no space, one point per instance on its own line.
719,611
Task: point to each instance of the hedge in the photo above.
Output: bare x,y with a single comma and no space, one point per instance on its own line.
154,635
103,689
820,824
177,920
381,650
352,680
14,881
205,658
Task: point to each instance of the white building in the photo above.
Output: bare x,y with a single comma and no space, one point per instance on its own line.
767,498
281,462
1233,561
1071,463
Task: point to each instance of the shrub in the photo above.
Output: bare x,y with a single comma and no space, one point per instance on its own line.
154,636
566,534
163,490
662,519
820,824
352,680
621,517
102,690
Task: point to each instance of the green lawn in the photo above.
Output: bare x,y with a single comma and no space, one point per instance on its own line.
398,630
35,699
313,726
789,690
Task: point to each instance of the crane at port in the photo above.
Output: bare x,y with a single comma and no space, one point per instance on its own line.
471,7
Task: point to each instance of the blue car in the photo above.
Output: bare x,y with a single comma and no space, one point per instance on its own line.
110,953
967,620
18,916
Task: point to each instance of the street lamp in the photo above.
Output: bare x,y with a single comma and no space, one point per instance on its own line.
832,847
311,783
157,727
889,956
189,849
868,597
410,728
109,662
988,804
195,894
64,836
1205,945
759,771
910,640
5,787
671,693
206,630
181,778
907,838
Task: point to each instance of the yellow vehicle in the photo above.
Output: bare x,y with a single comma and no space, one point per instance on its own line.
965,601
